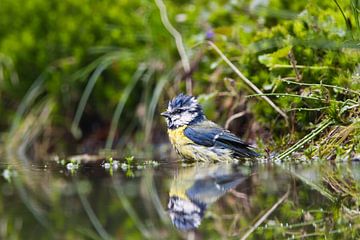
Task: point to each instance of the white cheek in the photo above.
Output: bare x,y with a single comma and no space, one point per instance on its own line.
187,117
184,119
176,120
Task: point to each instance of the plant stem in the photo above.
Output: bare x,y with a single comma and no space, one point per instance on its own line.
305,139
247,81
178,41
265,216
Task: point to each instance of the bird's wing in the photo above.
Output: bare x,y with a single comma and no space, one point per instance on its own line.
209,134
209,189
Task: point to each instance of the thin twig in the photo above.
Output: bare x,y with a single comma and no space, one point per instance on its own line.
296,225
307,109
91,214
285,95
301,66
299,96
265,216
293,63
318,187
121,105
321,85
235,116
348,25
247,81
128,208
178,41
85,97
305,139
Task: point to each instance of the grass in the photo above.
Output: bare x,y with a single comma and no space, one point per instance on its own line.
304,92
286,79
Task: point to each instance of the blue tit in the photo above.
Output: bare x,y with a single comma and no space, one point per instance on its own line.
194,189
196,138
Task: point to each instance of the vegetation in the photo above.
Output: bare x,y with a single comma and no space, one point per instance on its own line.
101,76
91,77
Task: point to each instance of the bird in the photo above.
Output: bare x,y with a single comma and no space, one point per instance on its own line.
194,189
194,137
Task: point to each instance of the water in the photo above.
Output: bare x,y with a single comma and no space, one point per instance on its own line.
203,201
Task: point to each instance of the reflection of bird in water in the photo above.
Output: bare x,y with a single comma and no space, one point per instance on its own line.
196,138
193,189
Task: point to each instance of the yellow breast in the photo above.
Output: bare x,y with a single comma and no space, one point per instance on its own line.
181,143
187,149
177,136
182,181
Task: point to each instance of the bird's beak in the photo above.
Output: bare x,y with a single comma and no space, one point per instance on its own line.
165,114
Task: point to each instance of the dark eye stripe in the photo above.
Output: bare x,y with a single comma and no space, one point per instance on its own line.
179,110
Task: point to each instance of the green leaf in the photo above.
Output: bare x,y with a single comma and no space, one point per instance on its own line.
272,59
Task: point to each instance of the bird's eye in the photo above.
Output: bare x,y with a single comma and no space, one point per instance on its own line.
177,111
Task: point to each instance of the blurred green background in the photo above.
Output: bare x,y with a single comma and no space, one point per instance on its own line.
86,76
97,73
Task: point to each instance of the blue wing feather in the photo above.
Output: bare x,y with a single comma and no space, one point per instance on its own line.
209,134
202,135
208,188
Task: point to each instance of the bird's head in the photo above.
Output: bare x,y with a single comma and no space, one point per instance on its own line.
185,214
183,110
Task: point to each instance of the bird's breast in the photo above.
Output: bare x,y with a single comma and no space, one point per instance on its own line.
181,143
177,136
187,149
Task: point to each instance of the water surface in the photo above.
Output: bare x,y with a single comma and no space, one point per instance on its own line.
203,201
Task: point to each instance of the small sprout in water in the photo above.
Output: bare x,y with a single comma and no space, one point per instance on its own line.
129,159
75,161
151,163
8,174
111,164
130,173
111,171
124,166
115,164
72,166
69,166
